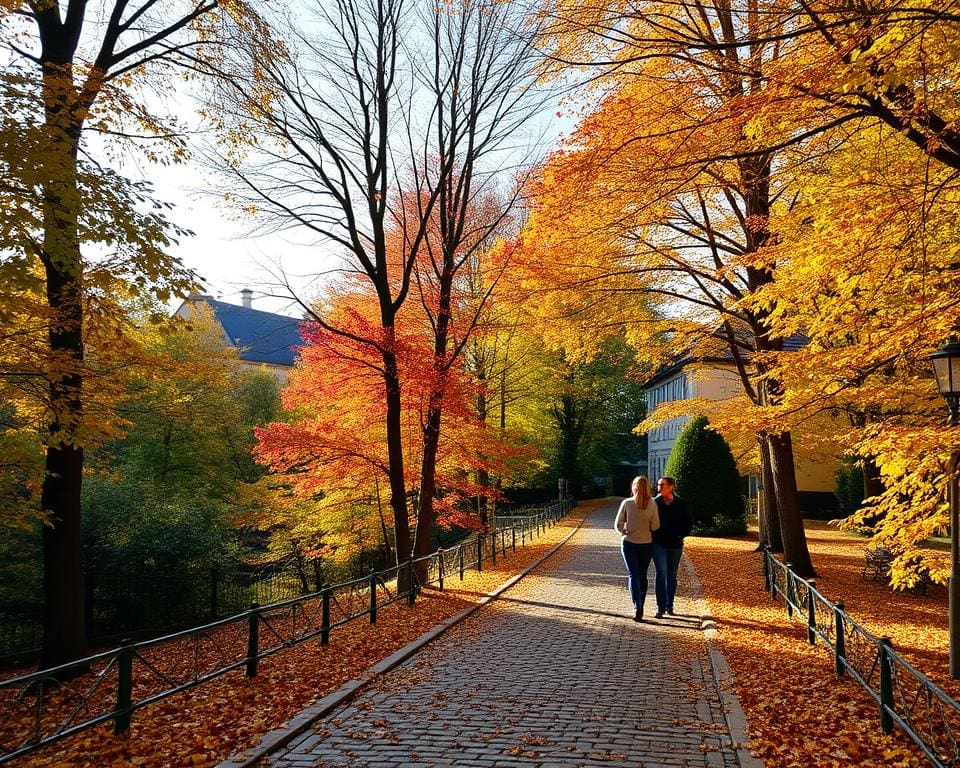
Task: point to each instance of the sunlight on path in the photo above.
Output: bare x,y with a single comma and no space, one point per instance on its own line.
554,673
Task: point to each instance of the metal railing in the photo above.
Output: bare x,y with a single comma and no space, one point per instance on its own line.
48,705
151,603
905,697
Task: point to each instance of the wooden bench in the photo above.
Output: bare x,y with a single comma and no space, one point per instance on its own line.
877,562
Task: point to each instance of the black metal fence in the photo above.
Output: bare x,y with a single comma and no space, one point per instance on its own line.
49,705
905,697
138,603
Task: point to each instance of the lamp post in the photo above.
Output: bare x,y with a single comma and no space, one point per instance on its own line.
946,369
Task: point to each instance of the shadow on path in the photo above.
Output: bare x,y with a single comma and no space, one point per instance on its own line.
553,673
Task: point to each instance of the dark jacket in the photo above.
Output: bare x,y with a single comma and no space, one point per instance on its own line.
675,522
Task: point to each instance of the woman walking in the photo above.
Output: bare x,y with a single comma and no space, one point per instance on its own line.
636,521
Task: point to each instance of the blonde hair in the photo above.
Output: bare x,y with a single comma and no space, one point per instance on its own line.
641,491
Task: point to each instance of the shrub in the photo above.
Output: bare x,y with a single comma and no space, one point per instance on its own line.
149,558
707,479
849,489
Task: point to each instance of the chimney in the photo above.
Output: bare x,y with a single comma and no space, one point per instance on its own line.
246,298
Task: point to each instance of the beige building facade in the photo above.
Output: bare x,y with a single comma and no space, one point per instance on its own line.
718,381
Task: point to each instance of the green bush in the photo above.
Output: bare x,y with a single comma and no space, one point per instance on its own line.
149,557
708,480
849,489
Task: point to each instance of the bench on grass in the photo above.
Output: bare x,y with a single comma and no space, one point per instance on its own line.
876,566
877,562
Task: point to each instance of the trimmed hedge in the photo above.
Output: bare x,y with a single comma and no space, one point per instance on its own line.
707,479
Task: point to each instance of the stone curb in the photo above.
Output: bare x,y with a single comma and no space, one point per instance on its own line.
733,713
274,740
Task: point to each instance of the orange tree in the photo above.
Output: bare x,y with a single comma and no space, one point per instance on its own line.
389,171
329,446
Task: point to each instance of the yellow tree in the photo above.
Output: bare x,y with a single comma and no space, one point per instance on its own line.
72,68
665,195
891,61
867,269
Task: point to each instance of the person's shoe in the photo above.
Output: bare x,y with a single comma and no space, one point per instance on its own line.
659,614
638,615
670,611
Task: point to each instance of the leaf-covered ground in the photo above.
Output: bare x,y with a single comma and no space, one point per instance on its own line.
800,713
202,726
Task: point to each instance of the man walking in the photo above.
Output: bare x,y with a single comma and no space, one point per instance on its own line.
675,525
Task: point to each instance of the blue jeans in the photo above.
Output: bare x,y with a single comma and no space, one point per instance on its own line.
666,561
637,559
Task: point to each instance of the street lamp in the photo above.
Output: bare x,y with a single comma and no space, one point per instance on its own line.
946,369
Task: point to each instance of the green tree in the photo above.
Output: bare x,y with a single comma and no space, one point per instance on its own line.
72,67
596,405
185,458
850,486
190,417
707,479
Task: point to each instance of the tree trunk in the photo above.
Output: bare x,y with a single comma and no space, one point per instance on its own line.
383,524
872,482
64,634
398,489
483,506
755,174
426,515
483,476
791,522
769,518
570,421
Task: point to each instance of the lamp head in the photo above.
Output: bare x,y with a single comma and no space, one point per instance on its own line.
946,370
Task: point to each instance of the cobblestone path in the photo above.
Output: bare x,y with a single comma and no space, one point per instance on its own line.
554,673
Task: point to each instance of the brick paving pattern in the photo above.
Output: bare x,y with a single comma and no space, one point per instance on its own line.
554,673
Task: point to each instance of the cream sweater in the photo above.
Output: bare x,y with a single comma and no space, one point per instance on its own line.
637,526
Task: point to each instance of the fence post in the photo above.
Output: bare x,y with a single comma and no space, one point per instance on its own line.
773,574
479,553
513,530
503,542
790,590
886,686
811,613
412,591
325,615
493,547
440,567
840,646
461,560
373,595
214,588
766,567
124,711
253,640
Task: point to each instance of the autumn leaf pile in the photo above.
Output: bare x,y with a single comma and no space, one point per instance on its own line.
202,726
800,713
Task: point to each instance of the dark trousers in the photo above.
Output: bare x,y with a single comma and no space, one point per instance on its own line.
666,561
637,559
